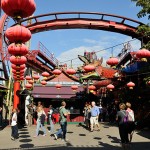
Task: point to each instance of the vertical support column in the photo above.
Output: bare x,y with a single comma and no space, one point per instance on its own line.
16,98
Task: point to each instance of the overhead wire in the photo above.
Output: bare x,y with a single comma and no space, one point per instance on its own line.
103,49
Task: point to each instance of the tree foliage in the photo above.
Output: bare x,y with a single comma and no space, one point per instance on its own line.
145,4
145,11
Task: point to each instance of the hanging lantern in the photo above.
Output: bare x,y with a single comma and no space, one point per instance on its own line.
70,71
18,78
17,49
89,68
28,86
58,86
110,87
18,8
92,88
31,81
18,60
43,82
36,77
56,72
18,34
74,87
18,67
28,78
130,85
17,71
45,74
148,82
143,53
112,61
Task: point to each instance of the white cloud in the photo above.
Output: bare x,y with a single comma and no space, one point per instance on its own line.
100,46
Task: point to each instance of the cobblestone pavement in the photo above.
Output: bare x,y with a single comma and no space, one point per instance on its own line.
79,139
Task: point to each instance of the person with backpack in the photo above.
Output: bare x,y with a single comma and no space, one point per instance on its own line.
121,118
40,121
131,119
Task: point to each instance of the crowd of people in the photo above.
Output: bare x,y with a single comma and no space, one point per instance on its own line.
93,114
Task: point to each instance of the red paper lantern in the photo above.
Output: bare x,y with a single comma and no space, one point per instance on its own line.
110,87
58,86
18,67
18,34
112,61
36,77
28,86
18,78
74,87
102,83
18,8
70,71
143,53
130,85
89,68
92,88
18,60
28,78
56,72
31,81
17,71
148,82
43,82
17,49
45,74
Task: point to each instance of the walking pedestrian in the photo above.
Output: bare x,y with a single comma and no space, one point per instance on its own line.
30,114
50,112
14,127
63,122
131,119
122,125
94,116
40,112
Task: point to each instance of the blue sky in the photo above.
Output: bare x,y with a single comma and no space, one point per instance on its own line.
67,44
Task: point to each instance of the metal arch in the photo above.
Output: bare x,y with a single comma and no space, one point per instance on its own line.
83,20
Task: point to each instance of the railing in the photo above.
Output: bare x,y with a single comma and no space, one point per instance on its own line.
47,53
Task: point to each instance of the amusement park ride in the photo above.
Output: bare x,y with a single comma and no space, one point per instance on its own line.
41,60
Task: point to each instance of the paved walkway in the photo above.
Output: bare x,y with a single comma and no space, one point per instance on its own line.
79,139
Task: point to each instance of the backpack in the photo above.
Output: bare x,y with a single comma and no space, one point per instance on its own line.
125,117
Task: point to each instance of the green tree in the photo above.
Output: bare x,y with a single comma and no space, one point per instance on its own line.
145,4
144,29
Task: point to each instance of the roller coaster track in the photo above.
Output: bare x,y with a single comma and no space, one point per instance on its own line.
44,60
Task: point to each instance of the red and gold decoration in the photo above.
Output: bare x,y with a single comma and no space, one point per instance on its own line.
74,87
143,54
58,86
70,71
130,85
28,86
17,35
112,61
92,88
110,87
89,68
43,82
56,72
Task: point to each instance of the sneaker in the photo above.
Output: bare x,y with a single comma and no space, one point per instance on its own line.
49,131
35,136
44,135
12,138
55,136
98,130
64,140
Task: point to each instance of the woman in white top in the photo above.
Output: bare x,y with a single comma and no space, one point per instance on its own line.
50,112
14,127
131,119
40,111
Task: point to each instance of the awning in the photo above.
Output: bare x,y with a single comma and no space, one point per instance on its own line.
52,92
